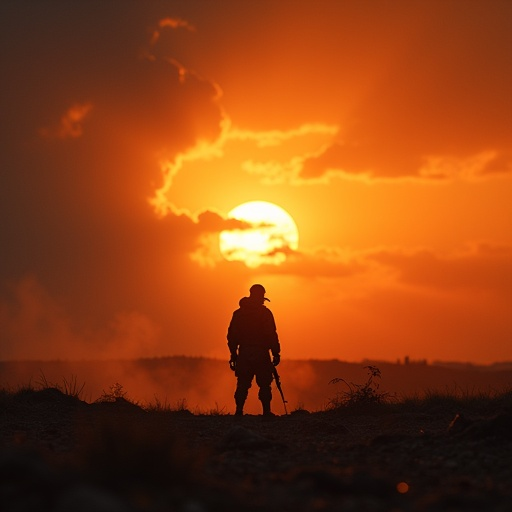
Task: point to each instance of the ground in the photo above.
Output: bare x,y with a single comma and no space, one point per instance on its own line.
59,453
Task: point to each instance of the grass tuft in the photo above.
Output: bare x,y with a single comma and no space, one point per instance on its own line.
69,387
359,395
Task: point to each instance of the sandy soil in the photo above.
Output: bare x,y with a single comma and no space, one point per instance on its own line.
59,453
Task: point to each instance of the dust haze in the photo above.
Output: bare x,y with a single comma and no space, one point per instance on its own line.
205,385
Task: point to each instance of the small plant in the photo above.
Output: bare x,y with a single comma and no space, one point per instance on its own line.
116,392
359,394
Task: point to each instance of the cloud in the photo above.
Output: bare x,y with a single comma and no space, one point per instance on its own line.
164,35
70,124
396,302
432,104
213,221
367,164
137,111
482,268
320,263
90,120
307,155
173,23
235,145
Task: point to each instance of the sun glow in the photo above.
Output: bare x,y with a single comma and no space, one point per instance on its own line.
271,234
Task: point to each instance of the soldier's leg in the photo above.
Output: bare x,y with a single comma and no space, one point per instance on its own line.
242,390
264,381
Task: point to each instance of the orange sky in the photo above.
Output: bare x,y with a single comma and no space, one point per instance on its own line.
130,129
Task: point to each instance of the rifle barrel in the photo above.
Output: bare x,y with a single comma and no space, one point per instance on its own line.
280,389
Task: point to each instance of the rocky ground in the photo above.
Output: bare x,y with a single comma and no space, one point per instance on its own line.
59,453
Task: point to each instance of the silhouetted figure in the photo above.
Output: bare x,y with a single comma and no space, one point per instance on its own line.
252,336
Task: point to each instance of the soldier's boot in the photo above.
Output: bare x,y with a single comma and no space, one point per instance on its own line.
240,398
266,408
239,407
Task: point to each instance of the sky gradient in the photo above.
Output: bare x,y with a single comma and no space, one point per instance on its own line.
130,129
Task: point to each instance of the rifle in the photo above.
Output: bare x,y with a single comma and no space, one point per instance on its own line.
278,385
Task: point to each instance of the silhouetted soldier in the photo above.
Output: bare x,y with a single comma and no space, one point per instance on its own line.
251,337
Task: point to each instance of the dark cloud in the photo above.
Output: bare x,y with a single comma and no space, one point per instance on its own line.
481,269
320,263
361,159
442,93
485,268
376,161
212,221
87,116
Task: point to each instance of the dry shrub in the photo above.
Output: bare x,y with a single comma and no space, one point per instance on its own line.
359,395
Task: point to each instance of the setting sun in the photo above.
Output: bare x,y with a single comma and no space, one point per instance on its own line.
270,235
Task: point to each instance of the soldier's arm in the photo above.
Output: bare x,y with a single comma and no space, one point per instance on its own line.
275,346
232,336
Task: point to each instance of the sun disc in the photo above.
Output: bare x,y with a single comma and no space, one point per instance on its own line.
270,235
